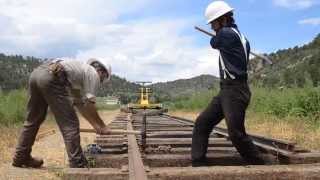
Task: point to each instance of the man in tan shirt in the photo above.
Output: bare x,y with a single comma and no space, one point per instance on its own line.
60,85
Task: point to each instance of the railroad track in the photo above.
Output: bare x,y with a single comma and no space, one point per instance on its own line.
162,151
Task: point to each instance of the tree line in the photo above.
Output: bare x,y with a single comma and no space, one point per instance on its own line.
293,67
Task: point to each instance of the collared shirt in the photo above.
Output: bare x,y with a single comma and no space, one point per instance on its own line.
83,78
232,52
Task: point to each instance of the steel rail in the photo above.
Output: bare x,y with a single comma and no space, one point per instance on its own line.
136,167
165,149
112,131
279,144
144,133
269,144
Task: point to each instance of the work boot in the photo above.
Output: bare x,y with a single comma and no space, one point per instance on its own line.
257,160
27,162
82,163
200,162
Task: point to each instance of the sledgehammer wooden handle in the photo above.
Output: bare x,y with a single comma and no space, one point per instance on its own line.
204,31
113,132
251,52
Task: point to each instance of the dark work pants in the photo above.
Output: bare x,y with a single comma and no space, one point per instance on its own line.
45,90
231,104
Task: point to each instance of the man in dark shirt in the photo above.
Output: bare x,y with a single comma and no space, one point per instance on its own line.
234,95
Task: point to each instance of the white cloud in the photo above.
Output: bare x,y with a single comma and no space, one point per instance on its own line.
154,53
311,21
296,4
81,10
146,49
44,24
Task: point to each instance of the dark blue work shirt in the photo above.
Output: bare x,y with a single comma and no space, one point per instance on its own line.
232,52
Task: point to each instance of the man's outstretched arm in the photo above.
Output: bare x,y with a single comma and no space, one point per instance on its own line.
89,111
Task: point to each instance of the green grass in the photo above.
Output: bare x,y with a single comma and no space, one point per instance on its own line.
193,103
12,107
299,102
302,103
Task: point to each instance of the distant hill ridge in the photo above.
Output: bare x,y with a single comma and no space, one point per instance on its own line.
293,67
15,72
185,87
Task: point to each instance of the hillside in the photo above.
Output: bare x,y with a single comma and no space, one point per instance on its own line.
15,71
184,87
293,67
121,88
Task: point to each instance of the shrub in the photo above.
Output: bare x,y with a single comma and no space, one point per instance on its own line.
296,102
12,107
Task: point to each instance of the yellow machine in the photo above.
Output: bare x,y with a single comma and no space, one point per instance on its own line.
144,96
144,99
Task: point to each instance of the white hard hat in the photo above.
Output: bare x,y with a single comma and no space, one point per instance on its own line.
96,62
217,9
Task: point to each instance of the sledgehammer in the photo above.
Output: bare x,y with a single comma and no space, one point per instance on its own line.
112,132
253,53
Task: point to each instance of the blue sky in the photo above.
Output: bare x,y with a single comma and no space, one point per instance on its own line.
150,40
269,24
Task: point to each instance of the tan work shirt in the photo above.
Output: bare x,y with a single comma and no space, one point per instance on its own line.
83,78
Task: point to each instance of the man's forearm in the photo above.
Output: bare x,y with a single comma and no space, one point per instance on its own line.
89,112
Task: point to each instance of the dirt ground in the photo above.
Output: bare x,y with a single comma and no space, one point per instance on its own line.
49,146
